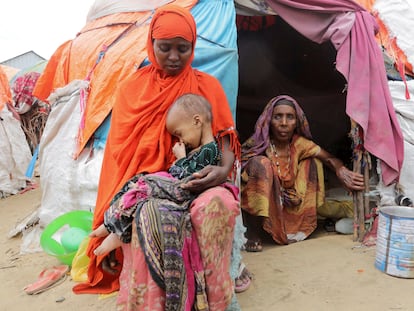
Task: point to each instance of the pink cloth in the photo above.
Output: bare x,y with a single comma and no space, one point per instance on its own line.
351,30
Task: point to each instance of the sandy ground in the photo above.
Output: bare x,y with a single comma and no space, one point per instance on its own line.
326,272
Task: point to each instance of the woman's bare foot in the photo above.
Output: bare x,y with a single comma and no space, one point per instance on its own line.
110,243
99,232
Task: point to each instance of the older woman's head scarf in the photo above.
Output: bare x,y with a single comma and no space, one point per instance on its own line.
260,140
171,21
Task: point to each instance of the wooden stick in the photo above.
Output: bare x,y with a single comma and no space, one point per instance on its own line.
361,216
356,196
367,168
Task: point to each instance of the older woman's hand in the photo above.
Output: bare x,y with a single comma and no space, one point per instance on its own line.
208,177
351,180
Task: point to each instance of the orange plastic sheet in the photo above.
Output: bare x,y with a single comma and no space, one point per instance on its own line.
5,92
76,58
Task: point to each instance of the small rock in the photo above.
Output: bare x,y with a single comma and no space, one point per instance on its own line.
61,299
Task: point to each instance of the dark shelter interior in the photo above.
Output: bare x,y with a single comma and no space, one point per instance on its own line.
274,59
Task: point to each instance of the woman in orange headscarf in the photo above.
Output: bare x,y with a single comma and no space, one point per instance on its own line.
138,142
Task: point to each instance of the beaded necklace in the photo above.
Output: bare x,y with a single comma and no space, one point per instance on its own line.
274,150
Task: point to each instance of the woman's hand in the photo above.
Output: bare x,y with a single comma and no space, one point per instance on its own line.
208,177
351,180
212,175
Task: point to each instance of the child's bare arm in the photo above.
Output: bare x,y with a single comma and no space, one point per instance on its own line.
101,231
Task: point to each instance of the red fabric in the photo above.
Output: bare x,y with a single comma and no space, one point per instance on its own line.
370,238
138,140
352,30
23,88
254,23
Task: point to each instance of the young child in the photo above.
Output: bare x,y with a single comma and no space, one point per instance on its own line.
189,120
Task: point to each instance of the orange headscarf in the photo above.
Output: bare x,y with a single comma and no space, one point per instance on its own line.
167,26
138,140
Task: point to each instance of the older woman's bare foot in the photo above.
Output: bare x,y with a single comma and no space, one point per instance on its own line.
110,243
99,232
253,245
253,226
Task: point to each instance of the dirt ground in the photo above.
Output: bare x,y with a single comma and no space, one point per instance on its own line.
326,272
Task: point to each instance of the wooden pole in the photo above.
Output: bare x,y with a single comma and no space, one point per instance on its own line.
355,197
361,164
367,169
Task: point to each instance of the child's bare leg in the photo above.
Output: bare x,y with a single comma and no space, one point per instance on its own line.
99,232
110,243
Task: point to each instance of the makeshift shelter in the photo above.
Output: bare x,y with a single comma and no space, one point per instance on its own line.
15,153
325,54
349,30
337,41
